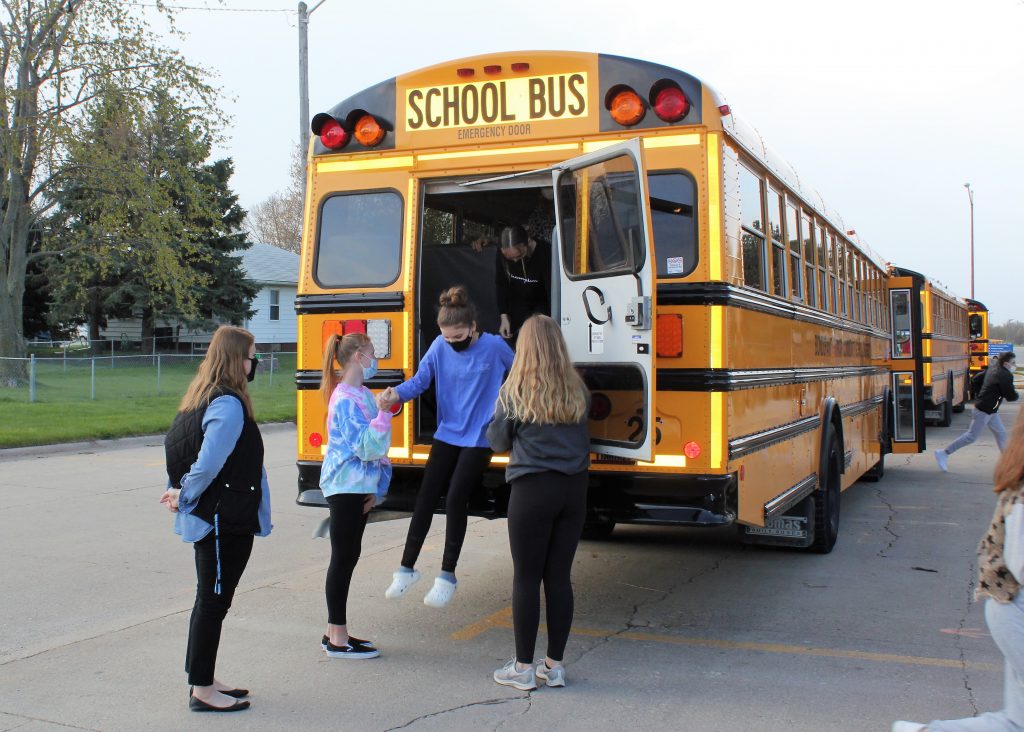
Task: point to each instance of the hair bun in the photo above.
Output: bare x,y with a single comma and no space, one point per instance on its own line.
454,297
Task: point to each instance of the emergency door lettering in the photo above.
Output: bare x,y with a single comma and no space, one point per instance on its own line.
511,103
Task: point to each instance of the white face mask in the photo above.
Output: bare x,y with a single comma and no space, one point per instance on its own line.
1011,366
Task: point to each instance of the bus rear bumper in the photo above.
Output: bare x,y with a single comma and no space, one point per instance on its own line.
663,500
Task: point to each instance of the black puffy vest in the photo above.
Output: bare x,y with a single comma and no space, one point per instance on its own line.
234,495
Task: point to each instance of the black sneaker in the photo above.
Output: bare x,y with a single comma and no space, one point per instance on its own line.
351,639
350,650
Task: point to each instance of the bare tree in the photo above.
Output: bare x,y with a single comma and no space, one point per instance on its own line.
277,219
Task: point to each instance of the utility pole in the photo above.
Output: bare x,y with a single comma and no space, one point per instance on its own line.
970,195
304,73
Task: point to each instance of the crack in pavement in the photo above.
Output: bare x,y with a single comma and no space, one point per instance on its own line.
888,524
529,705
484,703
45,721
630,622
958,642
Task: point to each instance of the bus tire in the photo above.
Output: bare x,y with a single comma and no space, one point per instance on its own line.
826,500
959,408
597,530
875,472
947,407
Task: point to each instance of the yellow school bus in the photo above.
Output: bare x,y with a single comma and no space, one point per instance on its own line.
977,318
736,340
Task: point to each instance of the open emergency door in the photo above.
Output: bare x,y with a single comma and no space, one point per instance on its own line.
605,292
906,433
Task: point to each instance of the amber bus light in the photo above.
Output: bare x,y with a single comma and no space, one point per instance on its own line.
627,108
368,131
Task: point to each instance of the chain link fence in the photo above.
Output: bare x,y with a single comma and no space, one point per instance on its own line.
77,375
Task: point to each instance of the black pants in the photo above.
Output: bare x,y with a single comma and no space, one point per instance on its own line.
545,519
456,470
210,609
347,524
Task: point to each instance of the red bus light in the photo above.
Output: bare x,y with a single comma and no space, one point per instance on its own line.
465,73
316,439
692,450
670,104
627,108
333,135
492,69
520,66
368,131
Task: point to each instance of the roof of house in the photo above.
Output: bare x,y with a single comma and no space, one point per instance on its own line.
265,263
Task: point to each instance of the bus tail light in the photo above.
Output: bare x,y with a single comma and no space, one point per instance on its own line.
670,335
379,332
333,135
625,106
353,326
368,131
669,102
692,450
316,439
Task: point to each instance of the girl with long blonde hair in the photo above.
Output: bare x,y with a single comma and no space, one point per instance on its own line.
541,416
1004,604
355,475
217,487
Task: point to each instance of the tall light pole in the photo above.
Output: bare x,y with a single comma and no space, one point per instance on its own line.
970,196
304,74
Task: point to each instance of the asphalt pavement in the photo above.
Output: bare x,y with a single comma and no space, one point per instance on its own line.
675,629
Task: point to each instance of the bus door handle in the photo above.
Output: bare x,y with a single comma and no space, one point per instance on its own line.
600,300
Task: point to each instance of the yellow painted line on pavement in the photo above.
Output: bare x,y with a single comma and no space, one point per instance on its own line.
503,619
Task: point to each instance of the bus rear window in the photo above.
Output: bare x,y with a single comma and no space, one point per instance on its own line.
360,240
675,225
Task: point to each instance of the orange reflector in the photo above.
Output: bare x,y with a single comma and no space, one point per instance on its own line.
368,131
670,335
316,439
627,108
691,450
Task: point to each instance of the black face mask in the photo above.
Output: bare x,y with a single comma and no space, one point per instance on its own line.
253,363
459,346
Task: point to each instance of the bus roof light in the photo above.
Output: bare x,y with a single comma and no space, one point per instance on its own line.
492,69
368,131
670,104
724,110
520,66
333,135
626,107
465,73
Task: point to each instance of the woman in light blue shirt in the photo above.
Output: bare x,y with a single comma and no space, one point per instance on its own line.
218,491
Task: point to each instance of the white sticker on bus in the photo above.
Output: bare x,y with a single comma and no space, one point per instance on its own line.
674,265
596,339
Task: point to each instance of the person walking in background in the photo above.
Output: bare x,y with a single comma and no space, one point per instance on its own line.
541,416
355,475
522,279
219,492
467,367
1004,606
998,385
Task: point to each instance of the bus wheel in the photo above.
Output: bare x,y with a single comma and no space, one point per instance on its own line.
826,500
597,529
876,471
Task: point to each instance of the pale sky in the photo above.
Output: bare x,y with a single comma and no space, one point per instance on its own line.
885,107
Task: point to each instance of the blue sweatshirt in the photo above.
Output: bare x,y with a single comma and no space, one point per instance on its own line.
467,386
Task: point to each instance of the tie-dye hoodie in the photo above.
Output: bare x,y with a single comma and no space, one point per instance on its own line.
358,438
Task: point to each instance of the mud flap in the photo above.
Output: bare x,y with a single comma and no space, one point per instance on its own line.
795,528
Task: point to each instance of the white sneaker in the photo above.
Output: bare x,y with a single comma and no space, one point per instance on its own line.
401,583
441,593
908,726
508,675
553,676
942,458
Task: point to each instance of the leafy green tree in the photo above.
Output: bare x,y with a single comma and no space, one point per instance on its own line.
55,57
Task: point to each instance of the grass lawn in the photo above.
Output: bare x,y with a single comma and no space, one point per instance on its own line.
127,401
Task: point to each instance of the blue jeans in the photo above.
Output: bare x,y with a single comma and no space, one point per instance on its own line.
979,422
1006,622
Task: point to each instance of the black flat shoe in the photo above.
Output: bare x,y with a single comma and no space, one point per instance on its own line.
235,693
197,705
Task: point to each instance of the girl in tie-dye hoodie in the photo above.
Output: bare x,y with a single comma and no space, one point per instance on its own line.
355,475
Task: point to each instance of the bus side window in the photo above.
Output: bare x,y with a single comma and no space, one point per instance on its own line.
672,196
752,230
778,247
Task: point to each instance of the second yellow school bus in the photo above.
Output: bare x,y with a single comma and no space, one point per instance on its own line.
736,340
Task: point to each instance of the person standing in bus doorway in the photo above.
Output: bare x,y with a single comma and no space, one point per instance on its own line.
522,279
998,385
218,490
541,415
467,367
1004,604
355,476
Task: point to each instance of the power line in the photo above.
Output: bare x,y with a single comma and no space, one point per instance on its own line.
214,9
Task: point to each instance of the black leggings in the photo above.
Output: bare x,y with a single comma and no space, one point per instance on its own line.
545,519
347,524
457,470
210,608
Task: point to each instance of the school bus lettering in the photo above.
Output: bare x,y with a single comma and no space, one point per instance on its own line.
561,96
